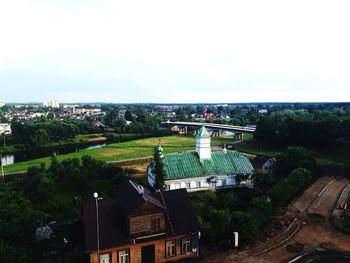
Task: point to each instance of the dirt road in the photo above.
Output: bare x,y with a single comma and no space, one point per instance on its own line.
311,210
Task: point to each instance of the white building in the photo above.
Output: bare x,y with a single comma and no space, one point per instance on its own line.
263,163
203,169
5,128
52,104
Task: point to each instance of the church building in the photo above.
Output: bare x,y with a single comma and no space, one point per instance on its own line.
203,169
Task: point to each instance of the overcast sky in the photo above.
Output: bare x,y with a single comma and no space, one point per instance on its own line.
174,51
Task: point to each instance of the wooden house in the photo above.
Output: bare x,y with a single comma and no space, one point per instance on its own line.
141,226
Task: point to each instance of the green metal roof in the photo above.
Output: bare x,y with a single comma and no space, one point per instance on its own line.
203,133
188,165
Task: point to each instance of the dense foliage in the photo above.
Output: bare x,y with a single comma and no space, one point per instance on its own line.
222,213
292,158
249,211
288,187
298,127
140,121
45,194
40,133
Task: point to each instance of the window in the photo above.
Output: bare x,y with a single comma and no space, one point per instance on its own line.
188,185
170,248
155,224
186,245
223,183
105,258
124,256
198,184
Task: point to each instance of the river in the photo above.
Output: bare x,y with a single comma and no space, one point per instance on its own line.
7,159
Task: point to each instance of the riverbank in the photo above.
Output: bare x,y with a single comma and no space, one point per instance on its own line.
78,141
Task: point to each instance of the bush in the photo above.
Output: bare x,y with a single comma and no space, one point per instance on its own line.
291,185
292,158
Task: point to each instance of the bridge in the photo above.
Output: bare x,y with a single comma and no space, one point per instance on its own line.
212,126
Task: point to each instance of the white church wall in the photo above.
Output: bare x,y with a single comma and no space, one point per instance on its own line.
193,184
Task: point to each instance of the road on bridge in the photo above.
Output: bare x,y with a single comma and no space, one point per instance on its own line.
217,126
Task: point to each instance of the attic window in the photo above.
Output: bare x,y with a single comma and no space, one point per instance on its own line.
155,224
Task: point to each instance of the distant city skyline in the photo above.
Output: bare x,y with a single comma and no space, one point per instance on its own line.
174,52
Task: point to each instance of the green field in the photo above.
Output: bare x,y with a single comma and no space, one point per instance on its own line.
123,151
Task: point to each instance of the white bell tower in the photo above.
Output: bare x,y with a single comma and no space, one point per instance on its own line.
203,147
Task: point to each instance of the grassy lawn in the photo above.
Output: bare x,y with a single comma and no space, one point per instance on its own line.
123,151
255,149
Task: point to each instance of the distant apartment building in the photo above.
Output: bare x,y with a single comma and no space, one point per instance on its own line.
80,111
52,104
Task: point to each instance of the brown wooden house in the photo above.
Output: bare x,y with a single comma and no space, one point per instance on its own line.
142,226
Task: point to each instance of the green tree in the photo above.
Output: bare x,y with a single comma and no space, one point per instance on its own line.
158,171
286,189
217,225
16,216
292,158
246,225
262,180
128,116
41,138
261,207
50,115
13,254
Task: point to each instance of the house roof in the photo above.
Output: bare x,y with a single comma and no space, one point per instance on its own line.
113,226
188,165
259,161
203,133
131,193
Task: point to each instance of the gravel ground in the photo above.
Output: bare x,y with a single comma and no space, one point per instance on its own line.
316,231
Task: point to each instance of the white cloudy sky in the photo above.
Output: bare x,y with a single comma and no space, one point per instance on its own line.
174,51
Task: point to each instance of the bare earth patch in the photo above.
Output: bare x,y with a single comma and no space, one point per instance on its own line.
98,139
315,232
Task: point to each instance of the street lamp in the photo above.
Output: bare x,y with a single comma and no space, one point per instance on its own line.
97,228
2,167
4,139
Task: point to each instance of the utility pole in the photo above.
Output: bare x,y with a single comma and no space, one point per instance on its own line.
97,228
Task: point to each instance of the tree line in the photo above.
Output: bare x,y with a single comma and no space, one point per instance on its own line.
139,121
310,129
45,194
40,133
